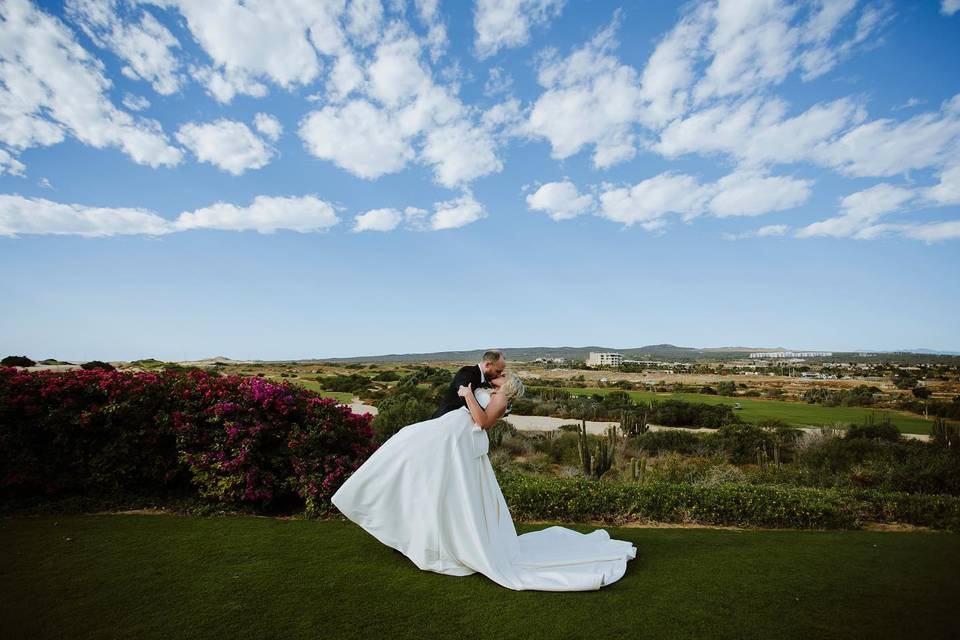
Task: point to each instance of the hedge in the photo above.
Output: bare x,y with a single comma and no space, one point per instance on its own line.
580,499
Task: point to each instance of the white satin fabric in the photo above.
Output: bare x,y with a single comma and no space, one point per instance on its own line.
430,492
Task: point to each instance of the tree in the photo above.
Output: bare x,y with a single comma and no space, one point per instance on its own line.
97,364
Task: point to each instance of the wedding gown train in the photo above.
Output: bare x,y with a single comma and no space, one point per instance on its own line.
430,492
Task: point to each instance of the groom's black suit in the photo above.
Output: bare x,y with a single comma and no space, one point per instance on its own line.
451,400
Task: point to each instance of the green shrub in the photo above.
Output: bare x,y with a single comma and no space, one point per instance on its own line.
740,441
582,500
883,430
97,364
656,442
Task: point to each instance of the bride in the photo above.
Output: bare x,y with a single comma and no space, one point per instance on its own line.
430,492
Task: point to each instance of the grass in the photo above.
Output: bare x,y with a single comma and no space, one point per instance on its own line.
313,385
795,413
169,576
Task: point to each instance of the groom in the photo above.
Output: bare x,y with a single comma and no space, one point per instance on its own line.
491,366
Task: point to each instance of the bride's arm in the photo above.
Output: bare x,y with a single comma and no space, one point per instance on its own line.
483,418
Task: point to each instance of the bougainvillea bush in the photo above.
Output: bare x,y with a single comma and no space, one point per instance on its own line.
232,440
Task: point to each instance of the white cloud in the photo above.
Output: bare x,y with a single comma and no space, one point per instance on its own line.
750,45
460,153
448,214
249,42
590,99
947,190
51,87
268,126
929,233
949,7
224,86
266,214
742,193
9,164
378,220
859,212
875,201
757,131
752,194
932,232
406,117
885,148
745,46
560,200
364,20
455,213
772,230
147,47
498,82
346,76
226,144
766,231
135,103
909,104
396,74
506,23
647,202
669,72
437,31
19,215
358,137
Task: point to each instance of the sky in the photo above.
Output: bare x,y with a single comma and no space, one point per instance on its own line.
303,179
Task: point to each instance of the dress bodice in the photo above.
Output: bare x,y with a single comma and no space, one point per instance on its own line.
483,396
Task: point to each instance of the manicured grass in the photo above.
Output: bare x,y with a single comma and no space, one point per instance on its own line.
795,413
167,576
313,385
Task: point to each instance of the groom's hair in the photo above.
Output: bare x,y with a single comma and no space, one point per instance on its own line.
491,356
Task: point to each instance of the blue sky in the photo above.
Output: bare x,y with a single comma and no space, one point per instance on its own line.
301,179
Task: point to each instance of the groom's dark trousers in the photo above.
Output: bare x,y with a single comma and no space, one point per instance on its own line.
450,400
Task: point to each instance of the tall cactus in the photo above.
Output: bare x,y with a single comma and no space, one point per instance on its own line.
601,459
633,422
639,468
945,435
583,450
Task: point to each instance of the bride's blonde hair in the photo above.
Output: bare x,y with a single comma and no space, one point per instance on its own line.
512,386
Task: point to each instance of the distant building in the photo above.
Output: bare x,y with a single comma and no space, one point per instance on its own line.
791,354
603,359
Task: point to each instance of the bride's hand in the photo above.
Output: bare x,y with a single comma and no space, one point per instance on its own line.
464,390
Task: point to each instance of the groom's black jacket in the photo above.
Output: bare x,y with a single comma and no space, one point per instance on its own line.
450,399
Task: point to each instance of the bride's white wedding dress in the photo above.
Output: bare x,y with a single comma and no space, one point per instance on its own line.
430,492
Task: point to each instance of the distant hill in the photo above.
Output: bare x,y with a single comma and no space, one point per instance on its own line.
654,351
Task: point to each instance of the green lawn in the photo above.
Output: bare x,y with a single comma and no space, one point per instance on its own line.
795,413
313,385
167,576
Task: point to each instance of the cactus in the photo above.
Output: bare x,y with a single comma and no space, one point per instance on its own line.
945,435
633,422
583,450
604,452
762,457
639,468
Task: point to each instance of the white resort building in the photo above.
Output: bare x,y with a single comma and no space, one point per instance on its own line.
604,358
791,354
